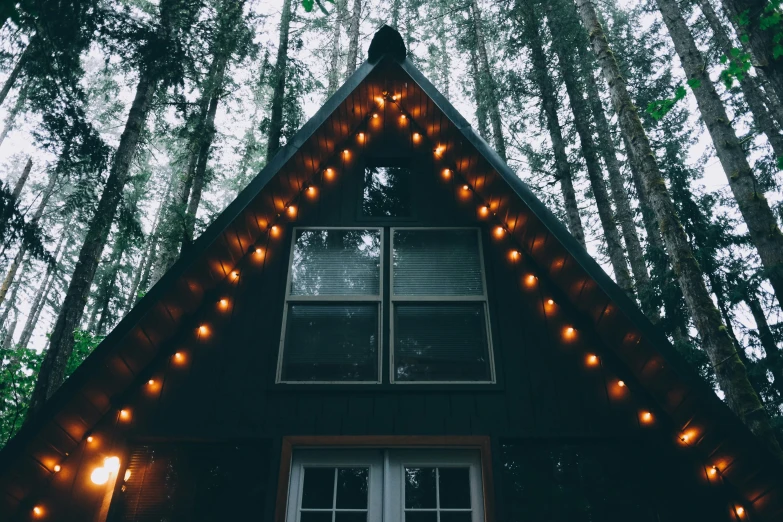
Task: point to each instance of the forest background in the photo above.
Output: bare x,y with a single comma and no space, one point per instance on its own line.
127,126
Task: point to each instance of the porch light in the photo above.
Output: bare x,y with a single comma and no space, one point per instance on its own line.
99,476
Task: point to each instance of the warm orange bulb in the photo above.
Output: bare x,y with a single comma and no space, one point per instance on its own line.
484,210
375,115
592,360
361,136
38,511
714,470
235,274
203,330
446,173
311,191
329,174
530,280
621,384
291,210
90,438
646,417
416,136
403,117
550,302
499,231
394,97
515,255
179,357
346,153
151,382
740,510
124,414
275,230
466,187
439,150
57,468
685,437
223,303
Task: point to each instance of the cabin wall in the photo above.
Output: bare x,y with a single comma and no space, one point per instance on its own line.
224,389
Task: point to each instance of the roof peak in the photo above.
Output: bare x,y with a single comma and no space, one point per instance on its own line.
387,41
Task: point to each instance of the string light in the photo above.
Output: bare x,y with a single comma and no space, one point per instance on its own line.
361,136
223,303
329,174
740,510
375,115
592,360
90,439
403,117
446,173
311,192
439,150
713,470
38,511
57,468
179,357
99,476
621,384
530,280
416,137
646,417
151,382
346,153
515,255
466,187
499,232
291,210
124,414
235,273
203,330
550,302
275,231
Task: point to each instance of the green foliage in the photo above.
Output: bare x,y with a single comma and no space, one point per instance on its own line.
660,108
14,227
309,4
738,66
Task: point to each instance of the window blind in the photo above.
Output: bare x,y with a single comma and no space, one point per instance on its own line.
437,263
336,262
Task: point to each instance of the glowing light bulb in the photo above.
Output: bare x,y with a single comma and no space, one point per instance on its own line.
112,464
361,136
291,210
530,280
416,136
714,470
592,360
151,382
329,174
570,330
550,302
740,510
235,274
124,414
311,191
57,468
275,230
38,511
647,417
439,150
446,173
223,303
499,231
621,384
403,117
259,251
99,476
375,115
685,437
203,330
394,97
346,152
127,475
90,438
484,210
515,255
466,187
179,357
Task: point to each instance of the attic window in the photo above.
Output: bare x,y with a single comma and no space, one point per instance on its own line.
331,325
386,192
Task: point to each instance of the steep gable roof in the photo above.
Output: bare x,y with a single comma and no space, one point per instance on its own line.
681,402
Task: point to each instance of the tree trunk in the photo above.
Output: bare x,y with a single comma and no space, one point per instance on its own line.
23,177
278,95
8,337
750,88
15,72
488,83
549,106
762,225
445,56
36,217
620,196
774,360
10,120
761,41
334,55
11,301
730,372
597,183
481,106
353,38
40,296
52,372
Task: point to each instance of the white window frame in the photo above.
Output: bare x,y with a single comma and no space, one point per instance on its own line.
368,299
386,482
394,299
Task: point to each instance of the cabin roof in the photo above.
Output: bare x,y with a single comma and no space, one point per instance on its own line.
103,383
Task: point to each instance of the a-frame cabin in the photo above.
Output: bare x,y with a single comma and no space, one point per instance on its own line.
387,325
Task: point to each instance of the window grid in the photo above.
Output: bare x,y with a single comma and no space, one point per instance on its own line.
395,299
333,509
437,509
294,299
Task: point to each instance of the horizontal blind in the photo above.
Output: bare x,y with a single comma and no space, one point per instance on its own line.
437,263
336,262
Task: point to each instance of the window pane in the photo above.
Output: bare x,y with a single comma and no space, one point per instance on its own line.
331,342
458,516
420,488
440,342
352,488
454,488
315,516
318,488
342,516
386,192
421,516
336,262
437,263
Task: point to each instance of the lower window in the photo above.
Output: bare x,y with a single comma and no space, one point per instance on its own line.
390,485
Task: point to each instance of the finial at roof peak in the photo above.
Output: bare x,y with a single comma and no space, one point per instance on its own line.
387,41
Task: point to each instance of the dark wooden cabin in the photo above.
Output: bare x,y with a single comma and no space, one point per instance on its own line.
387,325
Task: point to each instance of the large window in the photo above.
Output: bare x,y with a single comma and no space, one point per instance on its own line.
333,300
440,327
438,316
389,485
